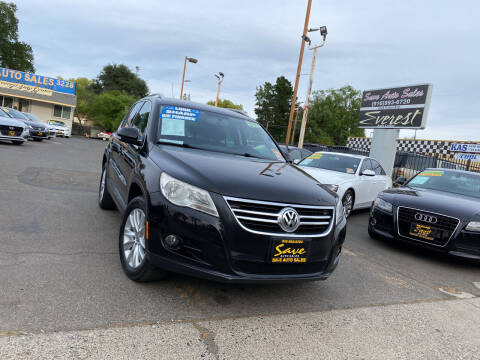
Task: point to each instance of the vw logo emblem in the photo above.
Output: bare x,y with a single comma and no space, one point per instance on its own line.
288,220
426,218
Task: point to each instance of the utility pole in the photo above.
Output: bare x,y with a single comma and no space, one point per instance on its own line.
295,123
220,77
189,59
299,69
323,32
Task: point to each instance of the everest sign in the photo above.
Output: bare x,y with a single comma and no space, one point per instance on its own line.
403,107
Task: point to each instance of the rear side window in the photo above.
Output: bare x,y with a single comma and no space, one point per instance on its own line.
377,168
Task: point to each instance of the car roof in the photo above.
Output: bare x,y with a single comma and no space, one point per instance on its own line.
198,106
344,154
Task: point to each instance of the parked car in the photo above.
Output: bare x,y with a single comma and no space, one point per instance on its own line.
37,131
438,209
296,154
12,130
206,192
61,127
356,179
104,135
52,132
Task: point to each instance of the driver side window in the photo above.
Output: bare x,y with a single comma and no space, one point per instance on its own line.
366,165
128,118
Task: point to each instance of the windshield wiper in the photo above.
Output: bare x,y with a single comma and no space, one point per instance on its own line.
185,145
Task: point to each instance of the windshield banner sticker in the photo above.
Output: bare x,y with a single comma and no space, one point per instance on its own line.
315,156
431,173
179,113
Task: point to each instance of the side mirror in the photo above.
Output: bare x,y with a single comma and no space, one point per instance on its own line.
368,172
129,135
402,180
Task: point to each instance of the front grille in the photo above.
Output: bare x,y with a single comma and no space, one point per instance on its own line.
260,217
5,130
444,227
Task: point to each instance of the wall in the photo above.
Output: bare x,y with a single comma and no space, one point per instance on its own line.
45,112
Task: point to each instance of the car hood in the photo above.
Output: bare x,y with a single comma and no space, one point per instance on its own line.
328,176
11,122
58,127
241,177
439,202
34,124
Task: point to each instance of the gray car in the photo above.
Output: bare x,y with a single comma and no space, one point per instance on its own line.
13,130
52,132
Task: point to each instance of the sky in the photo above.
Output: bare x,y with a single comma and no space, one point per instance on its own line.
370,44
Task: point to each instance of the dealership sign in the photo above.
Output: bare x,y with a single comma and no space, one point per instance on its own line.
403,107
465,157
44,85
468,148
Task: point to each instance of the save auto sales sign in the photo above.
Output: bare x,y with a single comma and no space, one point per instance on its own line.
403,107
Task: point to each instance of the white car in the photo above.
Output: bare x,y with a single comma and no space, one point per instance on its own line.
61,127
13,130
356,179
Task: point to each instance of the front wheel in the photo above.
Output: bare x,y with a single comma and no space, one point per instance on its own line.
348,201
132,244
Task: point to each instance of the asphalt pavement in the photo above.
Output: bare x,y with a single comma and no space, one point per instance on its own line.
60,277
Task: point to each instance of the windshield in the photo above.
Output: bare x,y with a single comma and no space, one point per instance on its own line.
58,123
211,131
5,113
15,114
447,181
341,163
32,117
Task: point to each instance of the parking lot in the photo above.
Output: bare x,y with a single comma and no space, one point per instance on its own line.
60,269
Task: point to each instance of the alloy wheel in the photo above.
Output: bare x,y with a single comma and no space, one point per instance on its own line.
134,238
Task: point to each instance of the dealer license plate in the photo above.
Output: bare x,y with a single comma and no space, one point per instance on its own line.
11,133
289,251
40,133
424,232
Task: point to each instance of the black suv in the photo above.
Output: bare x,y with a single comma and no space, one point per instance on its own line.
207,192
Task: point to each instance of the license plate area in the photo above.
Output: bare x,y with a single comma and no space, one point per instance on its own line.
289,251
424,232
11,133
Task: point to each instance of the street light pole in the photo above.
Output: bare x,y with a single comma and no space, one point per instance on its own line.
299,69
220,77
189,59
323,32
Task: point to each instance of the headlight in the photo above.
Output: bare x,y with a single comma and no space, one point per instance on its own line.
340,214
332,187
473,226
183,194
384,205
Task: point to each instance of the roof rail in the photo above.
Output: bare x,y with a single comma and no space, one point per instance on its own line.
155,95
239,111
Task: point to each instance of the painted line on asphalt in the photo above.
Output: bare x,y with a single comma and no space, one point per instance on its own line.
456,293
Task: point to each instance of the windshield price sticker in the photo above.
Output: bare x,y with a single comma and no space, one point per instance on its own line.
431,173
179,113
315,156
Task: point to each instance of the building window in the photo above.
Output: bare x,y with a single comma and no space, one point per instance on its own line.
62,112
6,101
24,105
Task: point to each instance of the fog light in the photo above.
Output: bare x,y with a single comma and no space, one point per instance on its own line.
373,221
172,242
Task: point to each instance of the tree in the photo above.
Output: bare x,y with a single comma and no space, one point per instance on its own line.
120,77
85,97
333,116
225,103
273,106
14,54
108,108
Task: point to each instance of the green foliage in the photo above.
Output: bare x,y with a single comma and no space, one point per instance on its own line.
120,77
108,108
85,97
272,106
225,103
14,54
333,116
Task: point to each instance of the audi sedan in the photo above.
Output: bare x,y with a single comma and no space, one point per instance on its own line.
438,209
206,192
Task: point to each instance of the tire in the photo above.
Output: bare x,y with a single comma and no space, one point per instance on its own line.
37,139
132,244
105,200
16,142
348,200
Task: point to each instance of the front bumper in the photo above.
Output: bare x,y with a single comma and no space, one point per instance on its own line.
464,244
37,134
13,138
220,250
